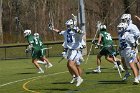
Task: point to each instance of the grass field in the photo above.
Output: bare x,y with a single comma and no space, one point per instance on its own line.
20,76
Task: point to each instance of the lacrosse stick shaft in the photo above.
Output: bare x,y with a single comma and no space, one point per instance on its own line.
89,53
47,48
60,59
98,23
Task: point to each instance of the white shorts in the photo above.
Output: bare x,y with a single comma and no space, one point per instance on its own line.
74,55
126,55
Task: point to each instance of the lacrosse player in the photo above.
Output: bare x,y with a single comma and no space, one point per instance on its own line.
72,41
105,42
127,47
35,47
132,29
43,59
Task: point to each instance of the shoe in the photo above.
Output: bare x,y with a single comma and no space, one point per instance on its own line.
40,72
49,65
79,81
122,70
139,77
97,71
136,82
126,76
73,80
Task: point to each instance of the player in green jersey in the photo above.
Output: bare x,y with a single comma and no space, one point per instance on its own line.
105,43
43,59
35,48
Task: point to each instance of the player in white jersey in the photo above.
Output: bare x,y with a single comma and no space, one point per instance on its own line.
132,29
127,49
72,41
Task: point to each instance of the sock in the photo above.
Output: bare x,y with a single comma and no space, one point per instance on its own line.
40,69
120,66
73,76
41,62
99,67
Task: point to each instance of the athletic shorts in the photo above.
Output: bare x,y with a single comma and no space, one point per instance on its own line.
107,51
36,54
74,55
126,55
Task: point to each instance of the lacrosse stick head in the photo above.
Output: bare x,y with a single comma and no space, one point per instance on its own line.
98,25
27,32
51,26
74,19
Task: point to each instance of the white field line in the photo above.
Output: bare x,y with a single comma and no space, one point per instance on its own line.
9,83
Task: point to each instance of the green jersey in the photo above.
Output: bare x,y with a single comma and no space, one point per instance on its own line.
30,39
106,38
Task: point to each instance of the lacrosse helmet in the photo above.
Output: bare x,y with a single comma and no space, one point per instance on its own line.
70,23
27,32
36,35
122,27
102,27
126,18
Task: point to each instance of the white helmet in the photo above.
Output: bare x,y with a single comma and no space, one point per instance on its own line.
126,18
27,32
122,27
102,27
70,23
36,35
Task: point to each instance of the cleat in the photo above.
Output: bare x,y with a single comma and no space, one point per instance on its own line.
79,81
126,76
73,80
136,82
49,65
97,71
139,77
122,70
40,72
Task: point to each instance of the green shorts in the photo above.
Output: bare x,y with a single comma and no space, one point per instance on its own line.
107,51
36,54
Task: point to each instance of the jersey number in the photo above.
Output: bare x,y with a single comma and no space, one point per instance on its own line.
69,39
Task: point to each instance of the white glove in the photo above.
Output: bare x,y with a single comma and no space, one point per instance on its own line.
64,54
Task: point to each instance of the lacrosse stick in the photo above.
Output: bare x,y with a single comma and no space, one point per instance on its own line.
117,66
51,24
98,27
61,60
19,23
46,48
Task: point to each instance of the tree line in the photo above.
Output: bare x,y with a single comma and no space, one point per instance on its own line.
18,15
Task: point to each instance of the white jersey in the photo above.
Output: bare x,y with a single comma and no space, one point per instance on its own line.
133,29
72,39
126,40
125,44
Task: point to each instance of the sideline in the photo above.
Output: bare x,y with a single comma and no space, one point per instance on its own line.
9,83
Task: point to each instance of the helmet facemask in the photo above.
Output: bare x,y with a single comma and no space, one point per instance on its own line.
70,24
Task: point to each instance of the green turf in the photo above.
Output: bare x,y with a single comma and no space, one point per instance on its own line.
24,79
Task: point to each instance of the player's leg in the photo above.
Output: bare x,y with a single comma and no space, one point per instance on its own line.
72,56
98,60
44,59
135,72
35,57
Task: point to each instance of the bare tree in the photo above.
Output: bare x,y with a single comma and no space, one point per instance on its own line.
1,31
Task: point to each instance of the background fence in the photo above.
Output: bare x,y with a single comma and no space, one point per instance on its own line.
18,51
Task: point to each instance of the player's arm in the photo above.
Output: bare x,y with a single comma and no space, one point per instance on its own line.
137,17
